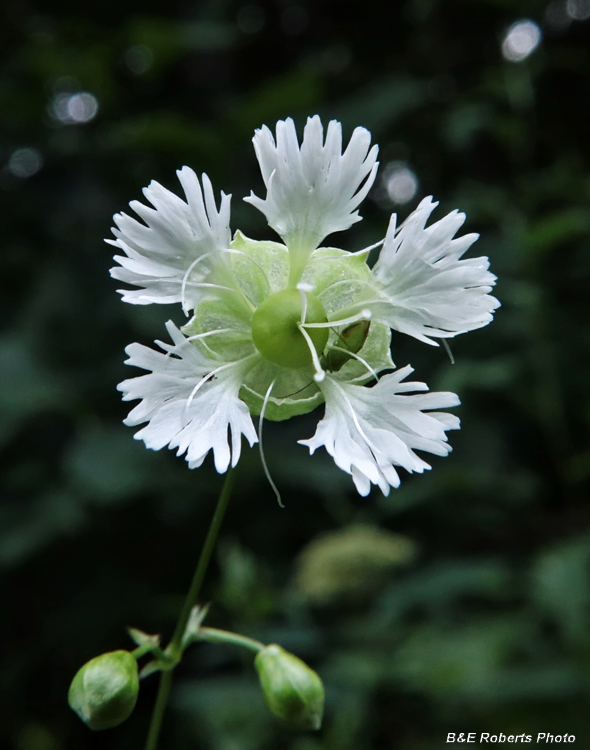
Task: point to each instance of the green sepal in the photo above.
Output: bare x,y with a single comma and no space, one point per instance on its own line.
375,352
212,315
295,392
266,273
340,279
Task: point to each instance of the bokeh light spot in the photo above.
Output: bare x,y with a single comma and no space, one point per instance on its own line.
74,109
578,10
556,17
139,59
25,162
400,182
521,39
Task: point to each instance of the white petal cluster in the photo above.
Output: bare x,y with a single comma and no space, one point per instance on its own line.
189,402
176,248
193,397
315,189
370,431
423,287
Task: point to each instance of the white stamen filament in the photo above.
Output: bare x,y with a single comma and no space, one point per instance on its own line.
448,350
206,285
209,333
370,445
231,251
303,306
303,289
260,447
200,384
356,356
362,282
371,247
319,372
207,377
214,286
185,279
375,300
363,315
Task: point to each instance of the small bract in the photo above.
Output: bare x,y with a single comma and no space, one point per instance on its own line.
278,328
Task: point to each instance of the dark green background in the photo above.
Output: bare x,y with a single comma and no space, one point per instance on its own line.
488,629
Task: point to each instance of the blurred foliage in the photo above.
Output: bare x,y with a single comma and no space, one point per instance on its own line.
350,563
488,628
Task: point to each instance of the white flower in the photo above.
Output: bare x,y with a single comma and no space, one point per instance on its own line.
278,329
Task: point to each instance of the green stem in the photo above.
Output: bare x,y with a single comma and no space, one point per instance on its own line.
159,708
143,650
213,635
191,599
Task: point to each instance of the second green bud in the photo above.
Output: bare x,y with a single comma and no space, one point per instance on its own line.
293,692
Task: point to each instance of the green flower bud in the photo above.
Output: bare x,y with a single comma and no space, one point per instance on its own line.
293,692
275,330
104,691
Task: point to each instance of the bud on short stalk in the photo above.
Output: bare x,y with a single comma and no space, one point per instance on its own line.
104,691
293,692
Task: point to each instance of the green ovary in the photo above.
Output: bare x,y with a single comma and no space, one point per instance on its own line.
276,333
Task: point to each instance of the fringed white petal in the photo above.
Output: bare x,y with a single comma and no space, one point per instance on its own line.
162,255
183,410
423,288
370,431
315,189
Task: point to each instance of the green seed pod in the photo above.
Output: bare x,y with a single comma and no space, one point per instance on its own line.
104,691
293,692
275,330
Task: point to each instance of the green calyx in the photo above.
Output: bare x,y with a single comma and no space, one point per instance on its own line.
276,332
261,270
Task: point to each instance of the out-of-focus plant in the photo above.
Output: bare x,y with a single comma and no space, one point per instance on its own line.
352,563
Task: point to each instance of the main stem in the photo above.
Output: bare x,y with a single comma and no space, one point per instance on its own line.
189,603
